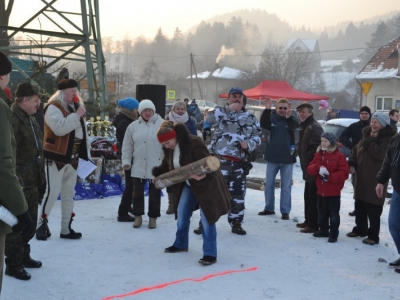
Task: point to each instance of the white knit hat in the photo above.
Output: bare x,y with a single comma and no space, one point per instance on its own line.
382,118
146,103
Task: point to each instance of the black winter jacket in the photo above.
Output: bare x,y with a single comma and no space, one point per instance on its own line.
353,134
121,122
389,169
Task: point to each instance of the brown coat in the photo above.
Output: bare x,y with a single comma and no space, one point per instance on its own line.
211,193
367,158
310,139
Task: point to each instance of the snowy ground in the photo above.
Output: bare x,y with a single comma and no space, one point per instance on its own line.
273,261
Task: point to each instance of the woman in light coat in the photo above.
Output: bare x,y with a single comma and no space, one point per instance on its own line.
141,147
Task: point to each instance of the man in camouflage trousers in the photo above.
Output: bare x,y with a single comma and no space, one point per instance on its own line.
30,170
236,133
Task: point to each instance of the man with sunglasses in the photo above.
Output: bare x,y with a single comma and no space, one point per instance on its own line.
236,133
310,139
280,155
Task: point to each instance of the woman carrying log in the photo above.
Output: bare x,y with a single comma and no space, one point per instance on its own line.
209,191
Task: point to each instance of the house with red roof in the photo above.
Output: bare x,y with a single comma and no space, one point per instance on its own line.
380,79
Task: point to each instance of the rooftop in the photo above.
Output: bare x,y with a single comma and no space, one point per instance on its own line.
384,64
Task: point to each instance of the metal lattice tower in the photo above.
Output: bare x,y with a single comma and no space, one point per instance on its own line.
76,37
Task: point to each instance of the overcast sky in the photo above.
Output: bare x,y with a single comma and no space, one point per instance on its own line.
133,18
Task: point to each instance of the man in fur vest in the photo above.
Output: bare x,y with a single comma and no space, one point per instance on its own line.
65,141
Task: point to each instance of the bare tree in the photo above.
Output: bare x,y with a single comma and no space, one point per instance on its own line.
4,18
289,65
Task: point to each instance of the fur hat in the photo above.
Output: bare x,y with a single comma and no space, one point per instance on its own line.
382,118
129,103
26,89
365,108
5,64
304,105
146,103
330,137
67,83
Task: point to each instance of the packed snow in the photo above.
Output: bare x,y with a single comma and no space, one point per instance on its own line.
273,261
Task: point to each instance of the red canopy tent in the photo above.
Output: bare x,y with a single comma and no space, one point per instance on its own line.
278,89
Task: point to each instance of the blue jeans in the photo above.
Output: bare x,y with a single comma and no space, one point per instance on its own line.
394,219
286,171
187,203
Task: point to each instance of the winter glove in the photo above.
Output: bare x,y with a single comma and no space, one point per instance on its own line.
323,171
24,225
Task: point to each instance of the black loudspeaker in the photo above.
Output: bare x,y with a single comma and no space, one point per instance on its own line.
154,92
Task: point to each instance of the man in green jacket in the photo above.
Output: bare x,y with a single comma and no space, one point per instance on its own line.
30,170
11,196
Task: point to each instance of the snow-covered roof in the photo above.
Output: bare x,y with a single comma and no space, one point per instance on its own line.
384,64
223,73
309,43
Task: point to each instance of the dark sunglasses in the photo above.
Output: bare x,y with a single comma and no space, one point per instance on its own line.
285,108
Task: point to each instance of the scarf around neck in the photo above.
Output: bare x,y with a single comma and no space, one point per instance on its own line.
174,117
129,113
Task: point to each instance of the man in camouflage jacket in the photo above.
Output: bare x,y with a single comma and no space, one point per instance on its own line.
30,170
236,133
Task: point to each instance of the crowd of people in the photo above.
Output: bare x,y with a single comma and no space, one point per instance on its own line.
150,145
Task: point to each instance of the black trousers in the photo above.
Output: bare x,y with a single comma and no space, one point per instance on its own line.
311,205
328,215
138,198
367,212
126,200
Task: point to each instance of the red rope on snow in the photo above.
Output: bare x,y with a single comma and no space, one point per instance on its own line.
163,285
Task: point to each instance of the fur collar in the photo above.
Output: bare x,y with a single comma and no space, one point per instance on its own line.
384,132
330,149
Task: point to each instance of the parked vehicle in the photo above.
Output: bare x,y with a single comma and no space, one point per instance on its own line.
336,126
204,104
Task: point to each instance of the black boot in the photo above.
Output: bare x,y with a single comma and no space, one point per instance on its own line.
20,274
43,231
72,235
31,263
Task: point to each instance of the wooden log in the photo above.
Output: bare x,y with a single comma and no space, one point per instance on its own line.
255,186
203,166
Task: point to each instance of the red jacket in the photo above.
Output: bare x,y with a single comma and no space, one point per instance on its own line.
337,167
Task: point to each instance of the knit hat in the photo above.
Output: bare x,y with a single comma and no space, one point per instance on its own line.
382,118
129,103
146,103
67,83
330,137
5,64
365,108
26,89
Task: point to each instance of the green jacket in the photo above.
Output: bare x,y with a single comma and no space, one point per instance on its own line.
11,195
29,148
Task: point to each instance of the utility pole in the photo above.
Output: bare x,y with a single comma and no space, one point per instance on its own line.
191,77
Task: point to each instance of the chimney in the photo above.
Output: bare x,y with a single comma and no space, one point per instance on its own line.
216,65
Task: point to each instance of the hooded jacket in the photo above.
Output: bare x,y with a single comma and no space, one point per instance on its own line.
211,192
141,149
336,164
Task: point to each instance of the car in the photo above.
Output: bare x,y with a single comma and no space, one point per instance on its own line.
204,104
336,126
